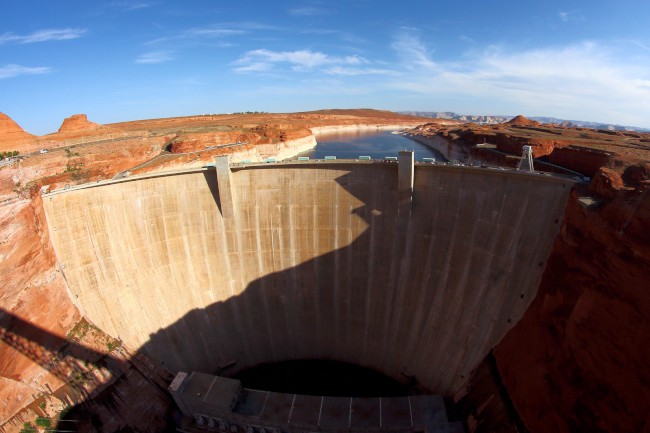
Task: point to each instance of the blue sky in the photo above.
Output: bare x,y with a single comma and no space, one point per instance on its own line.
140,59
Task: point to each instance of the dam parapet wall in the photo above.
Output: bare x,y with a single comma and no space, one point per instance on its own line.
311,265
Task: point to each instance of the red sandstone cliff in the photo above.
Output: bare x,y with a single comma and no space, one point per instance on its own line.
579,360
12,136
34,290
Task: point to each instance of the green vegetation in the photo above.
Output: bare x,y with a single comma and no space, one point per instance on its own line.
8,154
250,112
28,427
42,405
79,331
70,153
64,412
44,422
73,167
76,170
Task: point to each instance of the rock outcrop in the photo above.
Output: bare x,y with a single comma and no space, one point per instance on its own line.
522,121
76,123
11,134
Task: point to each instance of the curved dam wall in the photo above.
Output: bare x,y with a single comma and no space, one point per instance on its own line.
325,260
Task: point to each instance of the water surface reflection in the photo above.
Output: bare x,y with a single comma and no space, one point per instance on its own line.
377,145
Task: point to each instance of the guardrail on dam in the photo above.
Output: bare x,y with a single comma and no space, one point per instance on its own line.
311,260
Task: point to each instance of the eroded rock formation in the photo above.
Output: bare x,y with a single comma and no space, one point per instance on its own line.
76,123
12,136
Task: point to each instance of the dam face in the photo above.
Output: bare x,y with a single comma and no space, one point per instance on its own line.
413,271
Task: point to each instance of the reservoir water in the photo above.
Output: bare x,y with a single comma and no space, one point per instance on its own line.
376,145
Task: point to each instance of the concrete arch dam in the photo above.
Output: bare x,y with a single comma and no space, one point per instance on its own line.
406,269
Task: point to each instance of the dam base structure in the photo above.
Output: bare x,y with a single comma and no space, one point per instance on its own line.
415,270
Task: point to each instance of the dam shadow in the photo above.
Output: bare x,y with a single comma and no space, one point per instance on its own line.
328,307
389,292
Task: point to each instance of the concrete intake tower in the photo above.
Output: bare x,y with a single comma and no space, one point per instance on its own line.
410,269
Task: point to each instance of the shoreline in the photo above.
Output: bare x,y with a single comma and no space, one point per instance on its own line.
321,130
293,148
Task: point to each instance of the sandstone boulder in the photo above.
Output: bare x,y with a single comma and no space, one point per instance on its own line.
606,183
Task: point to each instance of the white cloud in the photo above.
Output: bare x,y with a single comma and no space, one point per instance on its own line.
43,36
568,16
153,57
198,34
254,67
640,44
299,60
212,32
585,77
132,5
307,11
10,71
345,71
413,52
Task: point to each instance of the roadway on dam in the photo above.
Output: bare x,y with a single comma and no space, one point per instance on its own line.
253,264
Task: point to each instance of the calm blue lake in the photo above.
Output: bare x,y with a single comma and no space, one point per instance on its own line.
377,145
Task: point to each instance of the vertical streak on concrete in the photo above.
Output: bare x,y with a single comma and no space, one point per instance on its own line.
227,207
405,181
405,177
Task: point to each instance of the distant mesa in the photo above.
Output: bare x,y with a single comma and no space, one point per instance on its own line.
77,122
522,121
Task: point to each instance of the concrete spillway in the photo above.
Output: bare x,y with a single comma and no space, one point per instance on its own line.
317,260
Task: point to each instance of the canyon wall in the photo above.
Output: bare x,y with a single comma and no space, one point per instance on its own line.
579,359
32,289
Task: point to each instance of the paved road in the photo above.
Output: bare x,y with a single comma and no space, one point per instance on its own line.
164,153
